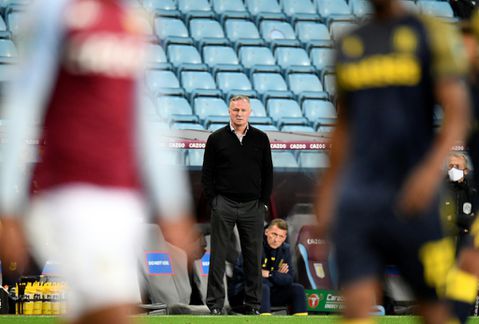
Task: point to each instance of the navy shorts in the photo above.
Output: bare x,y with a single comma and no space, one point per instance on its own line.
368,235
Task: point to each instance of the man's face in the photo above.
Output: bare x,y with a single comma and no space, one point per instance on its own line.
458,163
239,110
275,236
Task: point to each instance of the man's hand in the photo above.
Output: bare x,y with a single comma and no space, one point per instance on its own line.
265,273
284,268
13,251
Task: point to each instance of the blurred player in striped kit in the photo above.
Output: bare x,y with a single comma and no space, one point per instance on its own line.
79,79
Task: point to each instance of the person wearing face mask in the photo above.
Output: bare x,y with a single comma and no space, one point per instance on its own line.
459,198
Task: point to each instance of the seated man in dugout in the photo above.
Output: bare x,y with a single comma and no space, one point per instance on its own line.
279,288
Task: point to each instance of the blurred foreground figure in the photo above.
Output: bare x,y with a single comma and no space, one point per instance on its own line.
79,81
386,157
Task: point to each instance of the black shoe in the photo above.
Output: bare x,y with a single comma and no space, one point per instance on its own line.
252,311
216,311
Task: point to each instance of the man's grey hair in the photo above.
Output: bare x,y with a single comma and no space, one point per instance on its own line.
239,97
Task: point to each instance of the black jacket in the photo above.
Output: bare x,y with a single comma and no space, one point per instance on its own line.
240,171
458,204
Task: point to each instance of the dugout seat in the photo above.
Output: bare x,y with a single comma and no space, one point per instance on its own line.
164,271
313,260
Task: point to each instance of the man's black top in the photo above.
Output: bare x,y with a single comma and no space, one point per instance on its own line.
239,171
272,261
459,200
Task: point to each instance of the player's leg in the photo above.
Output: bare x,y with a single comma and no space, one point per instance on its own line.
95,234
359,298
358,259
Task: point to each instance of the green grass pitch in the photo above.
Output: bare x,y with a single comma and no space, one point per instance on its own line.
188,319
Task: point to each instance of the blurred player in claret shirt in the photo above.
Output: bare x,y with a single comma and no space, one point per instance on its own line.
82,60
386,158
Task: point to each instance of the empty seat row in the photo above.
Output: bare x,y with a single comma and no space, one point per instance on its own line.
248,56
279,111
290,8
236,29
261,82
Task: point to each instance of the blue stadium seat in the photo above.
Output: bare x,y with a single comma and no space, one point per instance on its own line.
297,129
194,157
257,108
256,55
168,106
170,27
156,54
361,8
180,54
158,79
263,82
324,125
213,55
284,159
301,82
274,29
208,106
435,8
215,126
222,6
290,56
193,80
187,126
153,5
329,8
293,7
280,108
311,31
237,29
338,28
262,6
311,159
14,20
186,6
8,51
228,81
267,128
205,28
322,57
315,109
329,83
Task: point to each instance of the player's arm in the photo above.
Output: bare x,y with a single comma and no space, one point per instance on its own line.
22,111
448,69
326,189
166,182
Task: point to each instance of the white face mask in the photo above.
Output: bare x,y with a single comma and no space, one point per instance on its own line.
455,174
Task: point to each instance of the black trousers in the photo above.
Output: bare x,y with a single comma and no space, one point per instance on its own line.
249,218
